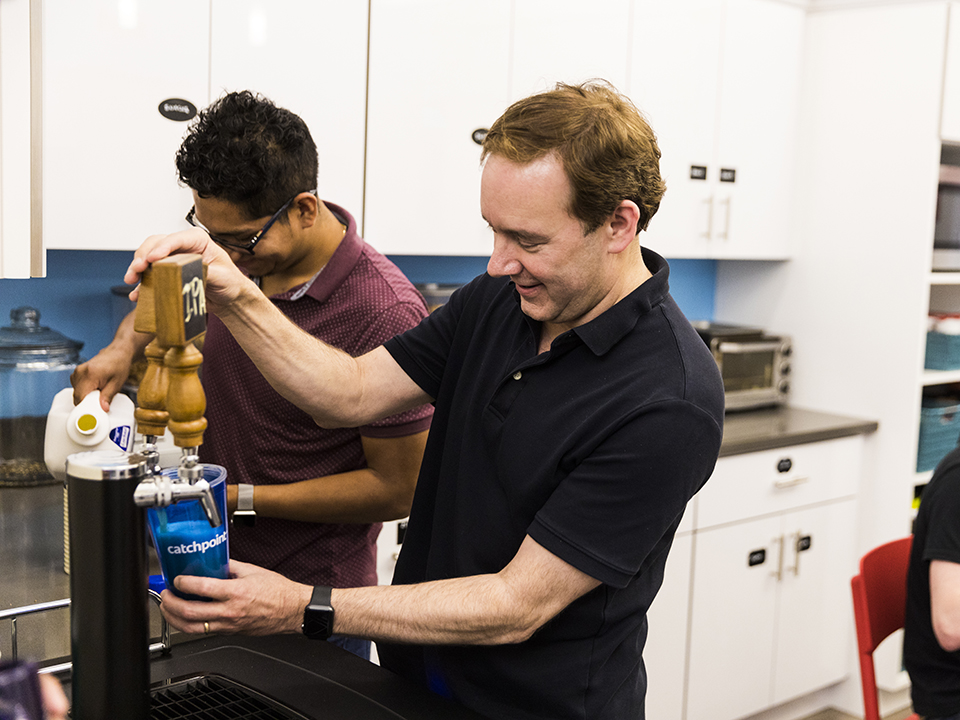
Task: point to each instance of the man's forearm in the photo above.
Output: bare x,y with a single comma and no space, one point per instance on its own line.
316,377
477,610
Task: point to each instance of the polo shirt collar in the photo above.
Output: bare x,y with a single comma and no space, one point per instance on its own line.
331,276
605,331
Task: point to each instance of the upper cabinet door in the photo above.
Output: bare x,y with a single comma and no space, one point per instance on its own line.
757,127
308,57
109,178
439,71
555,41
719,81
950,121
675,81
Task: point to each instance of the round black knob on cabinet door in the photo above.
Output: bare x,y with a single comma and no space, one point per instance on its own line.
784,465
478,135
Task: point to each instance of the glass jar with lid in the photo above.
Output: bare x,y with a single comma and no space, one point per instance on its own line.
35,363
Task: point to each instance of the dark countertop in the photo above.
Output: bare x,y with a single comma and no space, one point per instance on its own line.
767,429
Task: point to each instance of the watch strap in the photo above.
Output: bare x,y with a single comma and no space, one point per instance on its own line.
318,615
244,496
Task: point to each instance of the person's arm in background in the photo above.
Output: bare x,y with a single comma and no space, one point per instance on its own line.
381,491
945,603
108,369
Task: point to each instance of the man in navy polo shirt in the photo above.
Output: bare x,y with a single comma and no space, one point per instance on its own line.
577,412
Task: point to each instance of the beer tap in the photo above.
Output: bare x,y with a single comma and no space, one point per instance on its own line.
172,306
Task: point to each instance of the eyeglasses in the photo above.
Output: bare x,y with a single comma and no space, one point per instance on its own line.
250,244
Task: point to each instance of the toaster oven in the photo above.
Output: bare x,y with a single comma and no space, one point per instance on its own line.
755,366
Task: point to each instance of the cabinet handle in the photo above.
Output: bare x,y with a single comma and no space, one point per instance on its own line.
778,573
796,553
726,220
792,482
709,231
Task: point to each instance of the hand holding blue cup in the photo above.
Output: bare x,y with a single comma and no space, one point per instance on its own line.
185,542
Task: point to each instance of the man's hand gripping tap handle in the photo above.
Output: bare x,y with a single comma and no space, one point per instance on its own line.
172,307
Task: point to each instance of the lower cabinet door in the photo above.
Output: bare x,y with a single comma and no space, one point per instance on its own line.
733,619
665,652
814,629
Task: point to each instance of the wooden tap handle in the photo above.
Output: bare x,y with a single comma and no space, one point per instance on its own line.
186,401
151,413
172,306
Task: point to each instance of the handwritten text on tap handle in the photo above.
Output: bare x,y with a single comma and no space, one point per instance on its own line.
194,300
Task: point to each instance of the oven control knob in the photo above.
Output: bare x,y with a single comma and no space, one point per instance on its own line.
786,350
785,369
784,387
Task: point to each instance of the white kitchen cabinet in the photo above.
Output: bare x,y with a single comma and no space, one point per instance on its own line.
109,178
774,552
950,118
719,81
556,42
438,72
21,242
272,48
665,653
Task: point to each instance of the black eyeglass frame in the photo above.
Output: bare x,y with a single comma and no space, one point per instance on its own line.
249,245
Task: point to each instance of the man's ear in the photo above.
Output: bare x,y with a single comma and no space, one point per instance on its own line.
308,209
623,226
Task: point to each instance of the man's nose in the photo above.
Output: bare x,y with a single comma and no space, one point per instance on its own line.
502,260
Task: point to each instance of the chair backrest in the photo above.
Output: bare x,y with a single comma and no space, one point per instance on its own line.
879,605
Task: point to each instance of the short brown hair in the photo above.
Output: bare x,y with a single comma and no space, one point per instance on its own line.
607,149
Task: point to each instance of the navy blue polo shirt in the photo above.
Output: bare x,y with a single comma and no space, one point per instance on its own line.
592,448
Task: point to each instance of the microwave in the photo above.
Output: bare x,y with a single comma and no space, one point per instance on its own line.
946,239
755,366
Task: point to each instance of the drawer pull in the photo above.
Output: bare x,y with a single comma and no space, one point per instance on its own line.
781,484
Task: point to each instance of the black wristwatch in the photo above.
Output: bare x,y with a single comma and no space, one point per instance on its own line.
318,617
244,515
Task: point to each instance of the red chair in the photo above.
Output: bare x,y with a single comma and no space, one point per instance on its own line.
879,604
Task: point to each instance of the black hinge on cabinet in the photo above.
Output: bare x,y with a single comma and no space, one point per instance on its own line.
803,543
698,172
756,557
728,175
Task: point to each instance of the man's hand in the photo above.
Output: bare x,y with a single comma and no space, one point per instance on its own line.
224,280
254,601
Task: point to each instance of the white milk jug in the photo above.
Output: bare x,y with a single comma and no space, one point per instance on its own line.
78,428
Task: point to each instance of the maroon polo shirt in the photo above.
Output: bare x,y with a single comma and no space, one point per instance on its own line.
356,303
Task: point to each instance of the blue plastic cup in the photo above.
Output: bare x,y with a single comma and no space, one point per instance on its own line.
185,542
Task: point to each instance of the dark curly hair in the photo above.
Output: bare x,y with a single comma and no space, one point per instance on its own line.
246,150
608,150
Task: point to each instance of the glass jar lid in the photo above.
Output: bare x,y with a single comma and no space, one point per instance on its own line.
26,342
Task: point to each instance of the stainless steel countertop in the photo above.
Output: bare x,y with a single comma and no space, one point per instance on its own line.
768,429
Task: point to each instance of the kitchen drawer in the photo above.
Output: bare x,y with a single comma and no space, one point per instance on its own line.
772,481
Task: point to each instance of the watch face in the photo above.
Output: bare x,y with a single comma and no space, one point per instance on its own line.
244,518
318,622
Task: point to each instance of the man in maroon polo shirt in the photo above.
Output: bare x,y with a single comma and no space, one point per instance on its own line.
316,496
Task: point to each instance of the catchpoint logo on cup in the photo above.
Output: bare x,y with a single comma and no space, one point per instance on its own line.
197,547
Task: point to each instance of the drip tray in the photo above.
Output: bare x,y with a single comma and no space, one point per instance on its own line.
211,696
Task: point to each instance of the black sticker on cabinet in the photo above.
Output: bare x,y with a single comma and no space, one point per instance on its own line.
728,175
757,557
804,543
177,109
698,172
